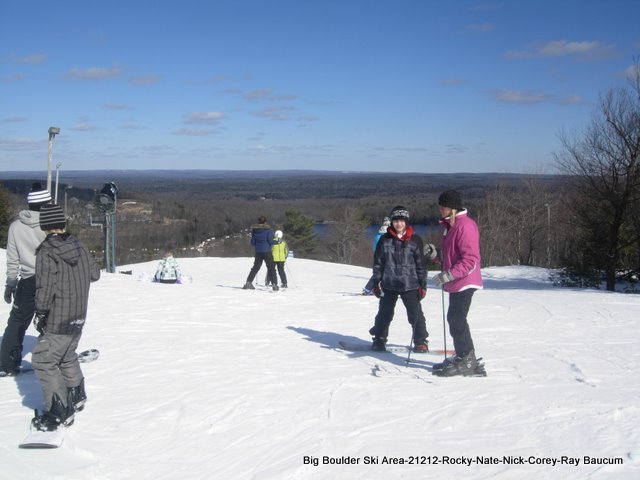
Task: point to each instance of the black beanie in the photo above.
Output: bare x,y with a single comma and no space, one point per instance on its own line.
450,199
399,212
52,217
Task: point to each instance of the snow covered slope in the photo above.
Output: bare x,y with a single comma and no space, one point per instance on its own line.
208,381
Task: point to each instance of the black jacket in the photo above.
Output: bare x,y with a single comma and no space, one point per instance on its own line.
398,264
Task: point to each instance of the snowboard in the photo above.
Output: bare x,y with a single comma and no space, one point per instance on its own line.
42,440
87,356
366,347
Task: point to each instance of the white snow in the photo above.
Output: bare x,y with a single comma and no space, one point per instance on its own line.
208,381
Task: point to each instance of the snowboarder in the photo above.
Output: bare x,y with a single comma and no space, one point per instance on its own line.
23,239
64,270
398,271
168,269
460,277
262,240
280,252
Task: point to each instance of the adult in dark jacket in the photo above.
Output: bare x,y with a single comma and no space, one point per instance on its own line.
399,271
64,270
262,240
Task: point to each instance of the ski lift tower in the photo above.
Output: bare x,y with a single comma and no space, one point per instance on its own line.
105,201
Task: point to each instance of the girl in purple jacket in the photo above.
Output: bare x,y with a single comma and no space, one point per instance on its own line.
460,277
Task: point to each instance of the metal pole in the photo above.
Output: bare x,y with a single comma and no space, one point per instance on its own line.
113,242
444,327
58,165
49,163
53,131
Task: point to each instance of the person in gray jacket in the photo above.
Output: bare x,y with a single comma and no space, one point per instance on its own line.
24,237
64,271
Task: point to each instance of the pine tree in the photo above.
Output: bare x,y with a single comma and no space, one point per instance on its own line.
299,232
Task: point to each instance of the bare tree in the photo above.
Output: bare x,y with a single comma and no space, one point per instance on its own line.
603,165
516,226
347,235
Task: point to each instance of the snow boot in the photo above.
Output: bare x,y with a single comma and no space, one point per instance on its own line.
248,286
378,344
8,372
467,366
421,346
78,397
275,287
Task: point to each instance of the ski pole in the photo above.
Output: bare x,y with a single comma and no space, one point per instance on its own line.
444,328
286,267
413,329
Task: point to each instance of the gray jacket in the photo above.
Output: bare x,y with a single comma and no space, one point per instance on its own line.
23,239
64,270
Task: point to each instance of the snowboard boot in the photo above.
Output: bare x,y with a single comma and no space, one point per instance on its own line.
56,416
248,286
421,346
275,287
378,344
78,397
467,366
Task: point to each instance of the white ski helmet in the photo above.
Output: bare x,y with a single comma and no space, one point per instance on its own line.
278,234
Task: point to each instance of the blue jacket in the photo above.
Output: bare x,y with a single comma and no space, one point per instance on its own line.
261,237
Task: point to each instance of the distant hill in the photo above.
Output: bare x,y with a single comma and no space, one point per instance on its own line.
274,184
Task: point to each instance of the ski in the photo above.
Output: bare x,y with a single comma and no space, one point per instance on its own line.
479,371
366,347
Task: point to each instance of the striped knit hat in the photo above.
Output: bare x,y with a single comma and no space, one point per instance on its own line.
52,217
38,197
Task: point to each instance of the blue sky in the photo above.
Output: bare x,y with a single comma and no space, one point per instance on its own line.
371,85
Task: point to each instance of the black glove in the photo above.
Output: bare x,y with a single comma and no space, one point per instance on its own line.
40,321
10,291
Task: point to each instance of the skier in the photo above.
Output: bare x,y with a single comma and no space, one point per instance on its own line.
168,269
386,223
262,240
64,270
280,251
398,271
460,277
23,238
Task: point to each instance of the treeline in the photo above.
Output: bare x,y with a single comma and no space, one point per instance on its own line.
204,217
